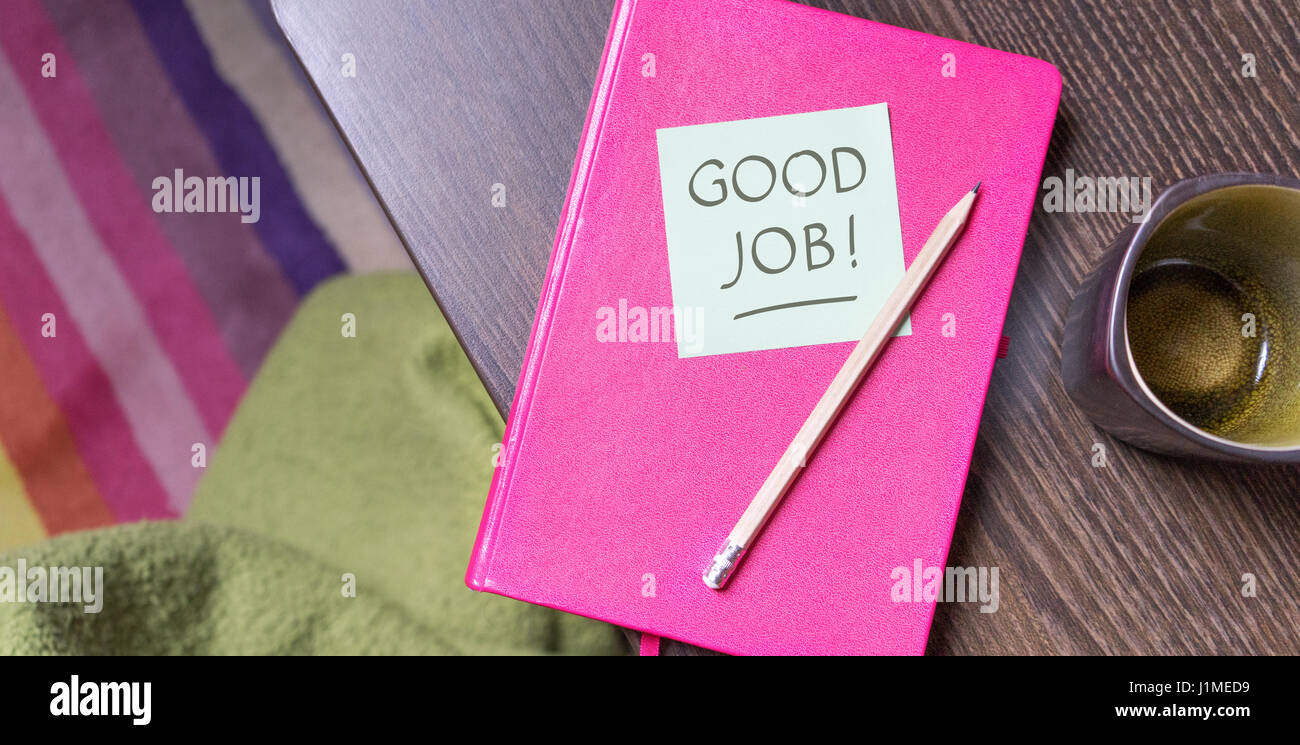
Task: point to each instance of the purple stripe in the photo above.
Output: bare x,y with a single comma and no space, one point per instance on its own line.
239,281
304,254
266,17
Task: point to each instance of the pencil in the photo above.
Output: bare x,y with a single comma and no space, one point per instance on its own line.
846,381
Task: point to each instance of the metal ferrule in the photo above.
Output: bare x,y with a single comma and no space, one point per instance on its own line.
723,563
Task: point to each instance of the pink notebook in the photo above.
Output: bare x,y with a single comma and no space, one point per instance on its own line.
624,465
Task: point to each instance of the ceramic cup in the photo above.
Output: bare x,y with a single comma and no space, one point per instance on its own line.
1186,338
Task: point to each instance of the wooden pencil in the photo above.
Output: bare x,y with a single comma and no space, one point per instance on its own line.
846,381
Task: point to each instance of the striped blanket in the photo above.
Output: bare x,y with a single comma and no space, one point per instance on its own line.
127,333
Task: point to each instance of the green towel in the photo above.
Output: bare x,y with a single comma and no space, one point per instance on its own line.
176,588
369,456
374,453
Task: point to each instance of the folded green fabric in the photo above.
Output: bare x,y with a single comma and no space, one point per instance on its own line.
177,588
374,452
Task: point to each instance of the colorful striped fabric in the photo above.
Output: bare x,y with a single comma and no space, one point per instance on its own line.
128,334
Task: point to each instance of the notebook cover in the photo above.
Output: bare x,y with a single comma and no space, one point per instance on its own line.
624,467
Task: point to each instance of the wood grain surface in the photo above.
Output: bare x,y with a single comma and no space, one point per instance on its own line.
1146,555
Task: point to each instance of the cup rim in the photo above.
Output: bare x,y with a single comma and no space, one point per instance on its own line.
1120,354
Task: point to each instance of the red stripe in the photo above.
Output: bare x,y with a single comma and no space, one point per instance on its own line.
122,215
40,446
75,382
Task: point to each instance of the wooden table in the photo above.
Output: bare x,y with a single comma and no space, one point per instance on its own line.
1146,555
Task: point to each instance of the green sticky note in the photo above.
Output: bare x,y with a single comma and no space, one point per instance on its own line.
782,231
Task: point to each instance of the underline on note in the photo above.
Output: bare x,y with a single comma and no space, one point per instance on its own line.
799,304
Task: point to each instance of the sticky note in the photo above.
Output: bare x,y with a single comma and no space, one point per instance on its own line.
782,231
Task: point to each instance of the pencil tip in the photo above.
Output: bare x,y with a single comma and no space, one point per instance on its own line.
977,188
